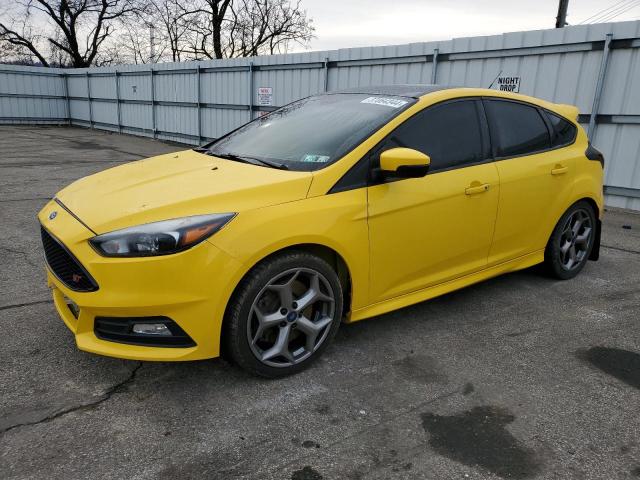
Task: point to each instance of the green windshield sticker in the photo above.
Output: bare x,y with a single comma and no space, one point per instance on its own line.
385,101
315,158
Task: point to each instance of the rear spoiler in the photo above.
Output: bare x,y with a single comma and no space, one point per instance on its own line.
569,111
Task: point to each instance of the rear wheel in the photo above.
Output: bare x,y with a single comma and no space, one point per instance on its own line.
284,314
571,242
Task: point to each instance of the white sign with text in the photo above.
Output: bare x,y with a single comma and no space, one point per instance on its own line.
508,84
265,96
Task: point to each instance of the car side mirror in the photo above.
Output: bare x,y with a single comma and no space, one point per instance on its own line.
404,163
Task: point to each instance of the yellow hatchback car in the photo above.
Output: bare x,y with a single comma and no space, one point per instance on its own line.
337,207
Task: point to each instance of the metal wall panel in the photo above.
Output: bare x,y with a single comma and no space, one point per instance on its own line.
79,109
105,113
197,101
136,115
30,94
103,86
77,85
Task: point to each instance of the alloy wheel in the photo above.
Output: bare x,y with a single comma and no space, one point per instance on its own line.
575,239
291,317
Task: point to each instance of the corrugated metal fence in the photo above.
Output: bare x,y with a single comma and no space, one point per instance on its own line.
596,67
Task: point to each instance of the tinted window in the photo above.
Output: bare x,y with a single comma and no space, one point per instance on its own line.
564,132
516,129
312,132
449,133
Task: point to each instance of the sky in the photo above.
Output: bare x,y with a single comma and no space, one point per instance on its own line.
358,23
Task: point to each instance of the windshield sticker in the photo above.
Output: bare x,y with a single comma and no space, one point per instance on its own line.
315,158
385,101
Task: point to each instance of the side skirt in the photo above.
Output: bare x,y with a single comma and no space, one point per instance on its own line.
436,290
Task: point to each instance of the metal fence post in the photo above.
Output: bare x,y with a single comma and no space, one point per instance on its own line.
434,67
89,99
199,100
65,78
117,78
599,86
250,91
326,74
153,104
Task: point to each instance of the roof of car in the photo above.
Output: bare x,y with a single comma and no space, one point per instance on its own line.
413,91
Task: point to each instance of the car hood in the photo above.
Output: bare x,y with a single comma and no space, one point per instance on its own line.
177,185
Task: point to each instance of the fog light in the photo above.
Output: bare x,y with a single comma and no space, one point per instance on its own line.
73,307
151,329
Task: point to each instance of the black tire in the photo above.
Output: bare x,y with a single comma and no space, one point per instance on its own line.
242,321
557,259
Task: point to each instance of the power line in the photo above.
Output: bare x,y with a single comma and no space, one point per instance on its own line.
603,11
614,15
616,12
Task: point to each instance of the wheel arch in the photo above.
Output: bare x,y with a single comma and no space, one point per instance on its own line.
328,254
595,251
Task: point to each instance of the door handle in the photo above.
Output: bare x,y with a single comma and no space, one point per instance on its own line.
559,170
474,188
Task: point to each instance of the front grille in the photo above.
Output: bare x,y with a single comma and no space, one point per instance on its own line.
65,266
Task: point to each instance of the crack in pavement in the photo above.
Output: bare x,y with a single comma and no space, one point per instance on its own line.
362,431
27,259
67,162
27,304
108,393
7,200
627,250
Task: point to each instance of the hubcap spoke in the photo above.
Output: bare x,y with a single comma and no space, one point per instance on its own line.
281,346
312,330
265,321
313,294
285,291
583,239
577,225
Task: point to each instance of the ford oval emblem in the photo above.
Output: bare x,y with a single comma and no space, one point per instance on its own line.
53,215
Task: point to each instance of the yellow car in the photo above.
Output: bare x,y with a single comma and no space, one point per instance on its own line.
337,207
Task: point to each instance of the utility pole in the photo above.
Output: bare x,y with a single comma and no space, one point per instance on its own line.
561,19
152,44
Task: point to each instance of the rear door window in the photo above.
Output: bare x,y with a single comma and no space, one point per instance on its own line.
516,128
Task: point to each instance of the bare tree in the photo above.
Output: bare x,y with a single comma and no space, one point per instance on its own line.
174,19
79,28
81,33
242,28
135,43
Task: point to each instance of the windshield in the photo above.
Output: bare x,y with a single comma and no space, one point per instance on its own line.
312,132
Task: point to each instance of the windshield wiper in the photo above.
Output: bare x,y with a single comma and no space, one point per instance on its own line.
243,159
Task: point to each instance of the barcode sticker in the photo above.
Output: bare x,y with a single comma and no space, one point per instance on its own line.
385,101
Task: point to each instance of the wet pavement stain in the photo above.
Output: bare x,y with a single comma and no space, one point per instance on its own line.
323,409
306,473
468,389
419,369
622,364
478,438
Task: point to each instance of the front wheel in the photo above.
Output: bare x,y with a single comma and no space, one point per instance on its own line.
283,314
571,242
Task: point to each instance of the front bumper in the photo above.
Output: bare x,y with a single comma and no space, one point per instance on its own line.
191,288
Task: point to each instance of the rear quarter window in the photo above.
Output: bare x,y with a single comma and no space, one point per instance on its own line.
564,132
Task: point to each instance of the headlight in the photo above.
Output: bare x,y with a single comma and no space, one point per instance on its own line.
160,238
